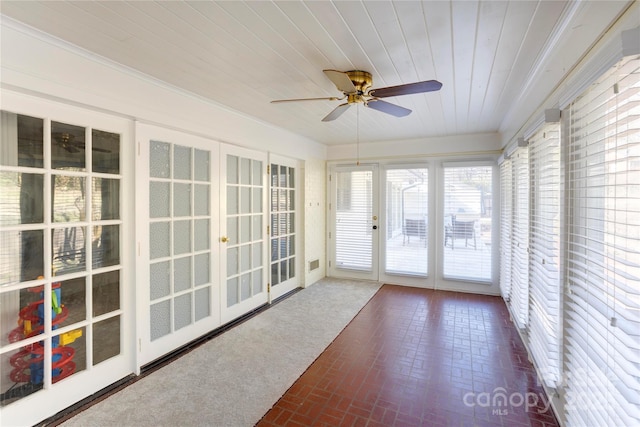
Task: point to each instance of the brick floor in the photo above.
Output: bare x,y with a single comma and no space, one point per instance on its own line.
419,357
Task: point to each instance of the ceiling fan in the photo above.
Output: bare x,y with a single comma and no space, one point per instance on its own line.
66,141
356,88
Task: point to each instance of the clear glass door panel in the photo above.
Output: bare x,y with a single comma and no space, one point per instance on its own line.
68,250
407,221
354,220
105,153
68,147
22,141
106,292
21,255
18,191
467,222
106,339
105,204
79,279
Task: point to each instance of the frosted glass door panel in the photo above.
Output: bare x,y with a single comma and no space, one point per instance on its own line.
243,230
181,281
179,240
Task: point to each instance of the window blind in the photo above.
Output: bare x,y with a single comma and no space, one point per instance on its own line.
544,257
519,292
602,305
506,216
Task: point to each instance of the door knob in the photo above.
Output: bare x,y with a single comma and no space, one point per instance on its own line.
224,239
375,227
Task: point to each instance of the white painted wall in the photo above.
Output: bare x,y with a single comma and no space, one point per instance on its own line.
35,63
459,145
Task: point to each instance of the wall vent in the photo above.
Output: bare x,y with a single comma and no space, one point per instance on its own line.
314,264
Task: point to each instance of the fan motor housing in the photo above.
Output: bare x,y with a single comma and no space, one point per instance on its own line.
362,80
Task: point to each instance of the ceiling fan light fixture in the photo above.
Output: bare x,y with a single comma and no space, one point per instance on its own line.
355,85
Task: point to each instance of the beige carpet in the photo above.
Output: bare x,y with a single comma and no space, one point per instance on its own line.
234,379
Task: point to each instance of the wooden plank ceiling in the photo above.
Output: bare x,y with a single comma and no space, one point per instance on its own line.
497,60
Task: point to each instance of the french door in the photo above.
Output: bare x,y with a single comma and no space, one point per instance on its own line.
203,240
243,235
380,228
283,226
354,222
178,260
66,316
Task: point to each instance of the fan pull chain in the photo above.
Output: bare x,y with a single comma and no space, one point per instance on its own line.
357,134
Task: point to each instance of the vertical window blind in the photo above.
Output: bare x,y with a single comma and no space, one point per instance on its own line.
506,217
602,305
544,257
519,292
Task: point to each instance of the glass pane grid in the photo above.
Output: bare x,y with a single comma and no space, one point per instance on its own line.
82,227
244,187
282,223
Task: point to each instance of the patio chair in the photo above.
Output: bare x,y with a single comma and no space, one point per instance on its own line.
414,227
460,230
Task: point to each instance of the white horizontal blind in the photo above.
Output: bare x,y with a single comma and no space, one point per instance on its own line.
544,257
519,295
602,308
506,218
354,235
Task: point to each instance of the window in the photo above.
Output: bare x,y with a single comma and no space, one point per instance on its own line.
544,258
602,302
406,245
467,222
519,293
506,218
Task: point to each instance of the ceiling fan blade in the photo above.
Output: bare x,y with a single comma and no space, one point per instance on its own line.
389,108
330,98
408,89
341,80
337,112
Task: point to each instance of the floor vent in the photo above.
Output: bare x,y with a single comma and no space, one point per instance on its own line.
314,264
